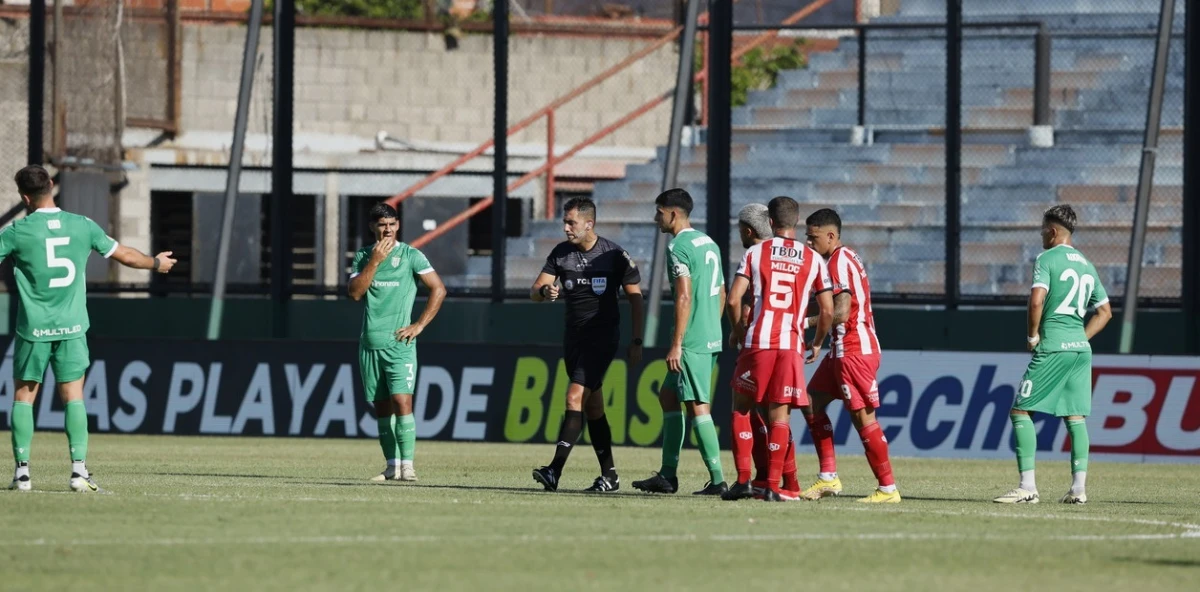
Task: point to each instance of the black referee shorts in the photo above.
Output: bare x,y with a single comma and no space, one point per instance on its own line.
587,358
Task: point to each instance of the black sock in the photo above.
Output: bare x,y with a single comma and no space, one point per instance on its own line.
602,443
568,434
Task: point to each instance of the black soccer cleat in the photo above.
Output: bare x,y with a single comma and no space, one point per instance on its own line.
547,477
603,484
772,496
711,488
658,484
739,491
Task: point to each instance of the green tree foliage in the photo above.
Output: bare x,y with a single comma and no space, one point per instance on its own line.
759,69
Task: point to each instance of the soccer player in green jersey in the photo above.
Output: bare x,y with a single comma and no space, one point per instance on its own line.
49,249
1059,377
385,274
694,266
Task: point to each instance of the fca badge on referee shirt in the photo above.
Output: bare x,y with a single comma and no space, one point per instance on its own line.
395,262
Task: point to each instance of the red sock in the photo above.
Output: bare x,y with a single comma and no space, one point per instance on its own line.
822,435
777,438
876,447
743,444
760,446
790,482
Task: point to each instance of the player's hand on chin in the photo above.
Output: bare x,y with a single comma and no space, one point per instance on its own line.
382,248
409,333
674,356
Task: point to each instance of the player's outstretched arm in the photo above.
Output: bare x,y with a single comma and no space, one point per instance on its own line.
1098,321
543,288
824,323
736,310
437,295
1037,302
131,257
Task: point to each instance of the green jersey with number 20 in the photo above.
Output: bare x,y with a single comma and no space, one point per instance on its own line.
693,254
1072,287
49,249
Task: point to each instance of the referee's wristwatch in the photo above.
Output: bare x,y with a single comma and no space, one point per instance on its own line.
637,341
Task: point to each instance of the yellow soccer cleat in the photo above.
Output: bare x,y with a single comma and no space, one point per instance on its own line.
822,489
881,497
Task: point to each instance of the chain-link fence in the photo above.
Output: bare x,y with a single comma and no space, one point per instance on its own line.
14,96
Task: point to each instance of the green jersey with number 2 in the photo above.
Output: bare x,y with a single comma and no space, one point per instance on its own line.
693,254
49,249
1072,287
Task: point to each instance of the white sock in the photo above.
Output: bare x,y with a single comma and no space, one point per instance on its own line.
1027,482
888,488
406,463
22,470
78,468
827,476
392,462
1078,481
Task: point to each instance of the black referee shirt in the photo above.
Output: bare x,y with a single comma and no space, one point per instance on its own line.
590,282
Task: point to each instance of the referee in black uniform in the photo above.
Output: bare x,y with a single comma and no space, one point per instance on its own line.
591,269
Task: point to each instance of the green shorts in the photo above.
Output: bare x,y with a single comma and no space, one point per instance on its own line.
695,382
1058,383
68,358
387,372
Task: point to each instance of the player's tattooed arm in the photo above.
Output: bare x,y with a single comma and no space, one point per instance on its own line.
131,257
1098,321
544,288
1037,302
737,311
824,323
359,283
841,310
437,295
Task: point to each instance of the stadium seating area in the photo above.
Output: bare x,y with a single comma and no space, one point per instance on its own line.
794,140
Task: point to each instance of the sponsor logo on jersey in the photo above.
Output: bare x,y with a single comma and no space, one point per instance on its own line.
384,284
1074,345
53,224
714,344
632,264
57,332
599,285
790,253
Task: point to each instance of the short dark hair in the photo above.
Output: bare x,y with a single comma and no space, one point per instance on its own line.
1063,215
675,198
583,205
33,181
382,210
825,217
784,212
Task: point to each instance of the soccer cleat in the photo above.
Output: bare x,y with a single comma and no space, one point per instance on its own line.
711,488
603,484
739,491
84,484
658,484
21,483
880,496
547,477
407,473
1018,496
773,496
759,486
1074,498
823,488
388,474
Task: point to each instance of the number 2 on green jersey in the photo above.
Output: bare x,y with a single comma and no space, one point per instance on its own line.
1078,295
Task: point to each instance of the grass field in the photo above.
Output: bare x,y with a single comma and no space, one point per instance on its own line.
291,514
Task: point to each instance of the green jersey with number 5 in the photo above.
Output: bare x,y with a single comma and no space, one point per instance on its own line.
49,249
694,255
1072,287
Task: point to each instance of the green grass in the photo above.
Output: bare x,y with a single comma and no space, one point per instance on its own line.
288,514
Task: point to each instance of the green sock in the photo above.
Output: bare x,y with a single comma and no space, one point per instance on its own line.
406,433
387,436
710,449
1077,428
1026,440
22,430
673,430
77,430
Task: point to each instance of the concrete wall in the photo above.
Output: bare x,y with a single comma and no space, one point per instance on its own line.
363,81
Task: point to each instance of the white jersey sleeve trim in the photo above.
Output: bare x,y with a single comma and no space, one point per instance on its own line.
1040,285
112,250
425,271
1101,303
354,275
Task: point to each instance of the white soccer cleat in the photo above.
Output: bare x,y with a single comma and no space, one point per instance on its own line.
84,484
407,473
388,474
1018,496
1074,498
21,483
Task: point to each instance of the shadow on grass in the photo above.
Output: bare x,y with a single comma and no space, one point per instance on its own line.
1194,563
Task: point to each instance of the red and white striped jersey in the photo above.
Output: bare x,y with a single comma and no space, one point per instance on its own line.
783,273
856,336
